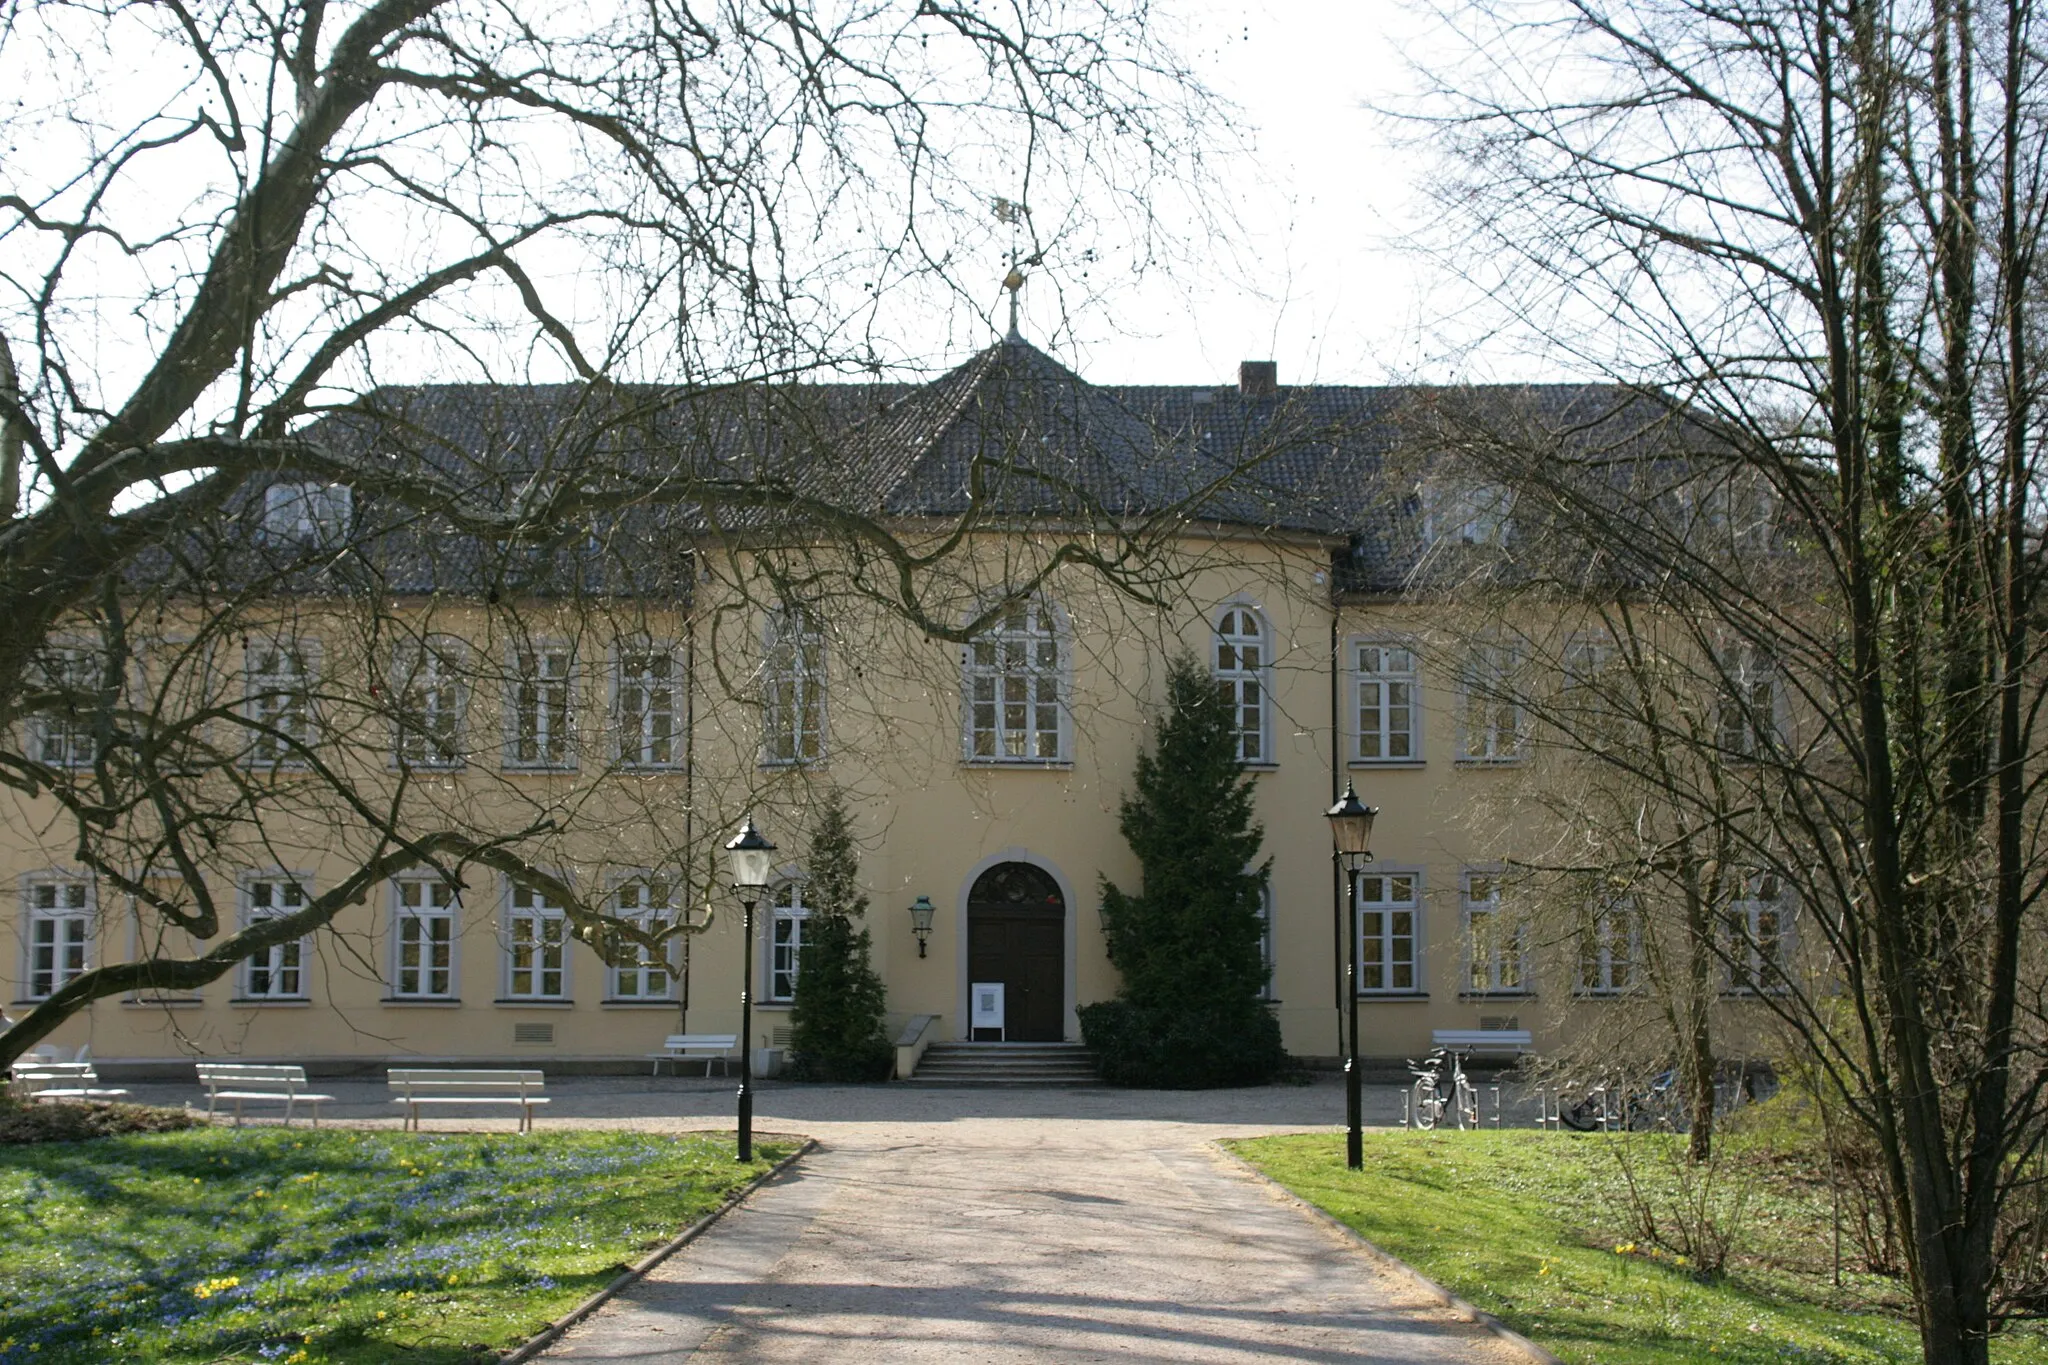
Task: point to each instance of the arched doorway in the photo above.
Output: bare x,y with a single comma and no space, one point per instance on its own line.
1017,934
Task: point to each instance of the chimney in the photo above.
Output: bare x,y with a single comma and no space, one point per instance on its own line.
1258,378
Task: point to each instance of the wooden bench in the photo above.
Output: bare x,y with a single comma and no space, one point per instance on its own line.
1484,1042
37,1079
243,1081
689,1047
422,1087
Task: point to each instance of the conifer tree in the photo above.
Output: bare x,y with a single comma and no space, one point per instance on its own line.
836,1019
1189,945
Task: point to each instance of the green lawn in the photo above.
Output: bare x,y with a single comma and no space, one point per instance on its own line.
293,1245
1529,1226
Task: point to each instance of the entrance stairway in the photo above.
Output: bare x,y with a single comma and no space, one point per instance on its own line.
1061,1064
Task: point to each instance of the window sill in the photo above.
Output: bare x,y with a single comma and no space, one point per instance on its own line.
162,1002
271,1002
652,769
1020,764
419,769
539,769
1485,997
636,1002
551,1002
779,1005
1394,997
1388,763
1488,762
788,764
1260,767
422,1002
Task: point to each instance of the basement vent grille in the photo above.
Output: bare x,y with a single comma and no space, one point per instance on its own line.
1496,1022
779,1037
533,1033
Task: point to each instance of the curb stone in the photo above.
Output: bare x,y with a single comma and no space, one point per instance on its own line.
1470,1312
637,1271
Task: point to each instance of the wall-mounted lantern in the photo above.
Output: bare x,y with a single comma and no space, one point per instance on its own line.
921,913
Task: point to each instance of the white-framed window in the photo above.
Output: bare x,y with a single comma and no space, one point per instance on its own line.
786,939
423,938
1496,944
61,733
1729,511
1386,688
1242,667
1013,679
278,681
539,707
308,513
1466,511
1758,938
1610,947
536,946
431,700
647,691
793,688
1746,709
651,902
1390,934
279,971
59,933
1490,720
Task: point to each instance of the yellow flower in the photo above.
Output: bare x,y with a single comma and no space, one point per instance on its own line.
209,1288
380,1315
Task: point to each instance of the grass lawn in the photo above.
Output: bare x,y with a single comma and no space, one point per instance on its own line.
1530,1226
330,1246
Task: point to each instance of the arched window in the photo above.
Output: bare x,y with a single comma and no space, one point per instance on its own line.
786,940
1240,662
1013,683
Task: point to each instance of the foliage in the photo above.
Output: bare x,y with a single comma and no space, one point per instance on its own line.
837,1030
1534,1228
1189,946
330,1245
21,1124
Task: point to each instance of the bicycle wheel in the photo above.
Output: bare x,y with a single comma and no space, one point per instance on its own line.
1423,1104
1466,1098
1581,1115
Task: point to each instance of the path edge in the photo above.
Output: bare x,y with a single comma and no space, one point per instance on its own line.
1390,1262
637,1271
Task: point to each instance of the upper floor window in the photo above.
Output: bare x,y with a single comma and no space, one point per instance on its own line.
278,700
538,713
536,935
1386,696
1241,672
1609,945
650,903
1758,937
308,513
649,708
431,702
1728,511
1013,679
793,689
423,937
1496,945
279,971
1460,511
786,940
1390,930
1746,710
1490,721
60,917
61,726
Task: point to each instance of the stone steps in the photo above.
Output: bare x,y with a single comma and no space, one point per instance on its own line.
1022,1064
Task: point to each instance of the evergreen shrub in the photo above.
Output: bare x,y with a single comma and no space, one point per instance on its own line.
837,1029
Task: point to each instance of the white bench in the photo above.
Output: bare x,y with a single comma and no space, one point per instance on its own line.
421,1087
244,1081
689,1047
37,1079
1484,1042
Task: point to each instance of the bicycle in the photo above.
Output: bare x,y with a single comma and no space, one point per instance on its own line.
1432,1093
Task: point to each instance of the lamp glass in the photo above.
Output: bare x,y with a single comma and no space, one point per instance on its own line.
752,858
1351,824
921,912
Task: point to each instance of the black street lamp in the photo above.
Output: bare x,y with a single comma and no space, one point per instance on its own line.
753,861
921,912
1351,832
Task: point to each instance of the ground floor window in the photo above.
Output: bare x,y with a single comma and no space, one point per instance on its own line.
639,973
534,946
425,938
1388,925
59,927
1496,946
786,940
279,971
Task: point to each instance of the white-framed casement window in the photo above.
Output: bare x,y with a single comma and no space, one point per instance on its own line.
1586,704
1496,944
1390,934
1465,511
279,971
307,513
647,705
277,700
786,921
536,946
793,688
650,902
423,938
1386,688
1758,938
61,732
1746,709
58,933
1491,725
540,713
1610,946
1013,680
1242,662
430,703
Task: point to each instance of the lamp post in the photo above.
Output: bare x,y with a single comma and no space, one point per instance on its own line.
1351,833
921,912
753,859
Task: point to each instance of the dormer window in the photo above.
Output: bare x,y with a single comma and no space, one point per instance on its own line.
307,513
1465,512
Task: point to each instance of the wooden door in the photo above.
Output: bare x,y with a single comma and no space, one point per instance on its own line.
1017,934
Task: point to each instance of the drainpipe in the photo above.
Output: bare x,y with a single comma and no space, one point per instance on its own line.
689,783
1337,909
